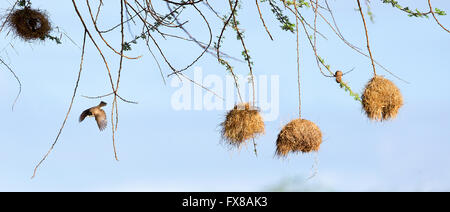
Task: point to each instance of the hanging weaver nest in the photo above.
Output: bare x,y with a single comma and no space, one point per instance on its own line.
29,24
381,99
299,135
241,124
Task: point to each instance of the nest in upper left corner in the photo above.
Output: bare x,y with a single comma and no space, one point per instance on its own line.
29,24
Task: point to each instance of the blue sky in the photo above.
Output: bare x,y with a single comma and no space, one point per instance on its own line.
165,150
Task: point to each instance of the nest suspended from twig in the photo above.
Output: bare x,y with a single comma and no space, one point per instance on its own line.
381,99
241,124
299,135
29,24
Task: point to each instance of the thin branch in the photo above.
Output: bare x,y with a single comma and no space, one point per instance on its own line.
18,81
262,19
68,111
298,60
367,37
434,16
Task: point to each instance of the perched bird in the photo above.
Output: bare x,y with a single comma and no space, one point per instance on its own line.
98,113
338,75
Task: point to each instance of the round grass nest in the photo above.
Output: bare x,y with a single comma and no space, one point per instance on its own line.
381,99
299,135
242,123
29,24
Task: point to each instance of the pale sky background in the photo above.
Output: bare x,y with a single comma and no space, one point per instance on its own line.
165,150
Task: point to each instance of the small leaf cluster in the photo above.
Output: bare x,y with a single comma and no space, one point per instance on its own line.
349,90
24,3
283,19
300,3
53,38
127,45
411,13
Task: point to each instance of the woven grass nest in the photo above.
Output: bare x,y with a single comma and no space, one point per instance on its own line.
29,24
299,135
242,123
381,99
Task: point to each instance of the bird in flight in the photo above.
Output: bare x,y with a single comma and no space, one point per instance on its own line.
98,113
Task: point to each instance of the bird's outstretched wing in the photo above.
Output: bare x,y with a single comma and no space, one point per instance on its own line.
100,117
85,114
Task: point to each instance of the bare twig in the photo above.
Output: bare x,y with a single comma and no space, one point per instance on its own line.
18,81
367,36
68,111
434,16
262,19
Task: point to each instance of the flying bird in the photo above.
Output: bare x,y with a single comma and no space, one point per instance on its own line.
98,113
